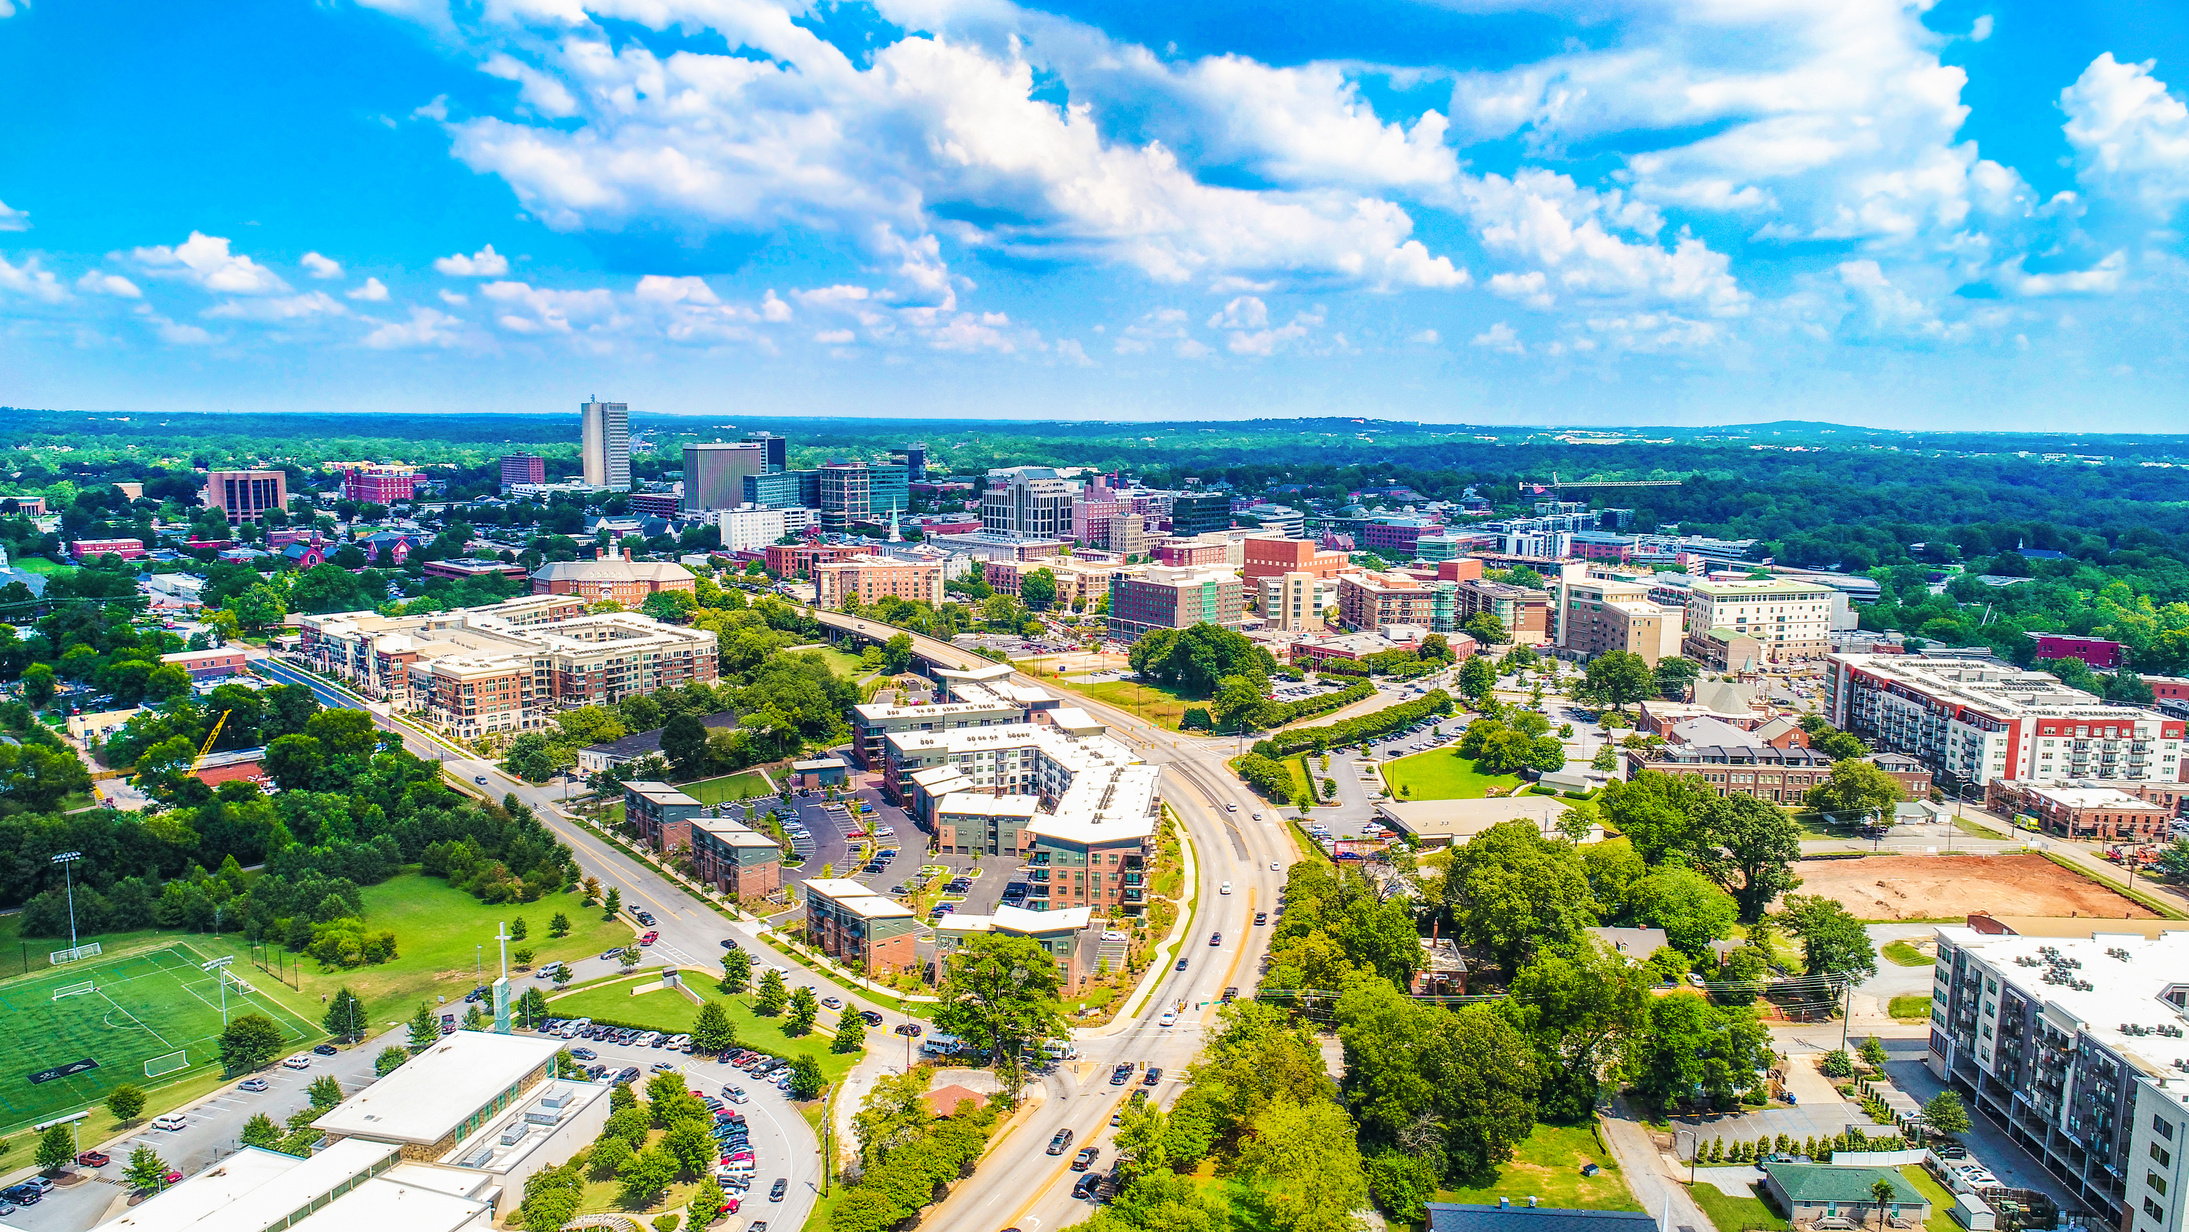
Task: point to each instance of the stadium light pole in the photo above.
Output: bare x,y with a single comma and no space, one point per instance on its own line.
217,967
67,861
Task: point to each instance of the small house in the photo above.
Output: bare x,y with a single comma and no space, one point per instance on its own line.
1830,1196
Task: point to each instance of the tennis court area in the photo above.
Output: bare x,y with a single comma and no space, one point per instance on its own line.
147,1018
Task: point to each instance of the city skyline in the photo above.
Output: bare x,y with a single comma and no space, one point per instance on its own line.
1480,212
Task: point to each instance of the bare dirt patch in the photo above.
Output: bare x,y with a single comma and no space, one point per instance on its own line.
1935,887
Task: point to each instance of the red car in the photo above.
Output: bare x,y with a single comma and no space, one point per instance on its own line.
649,938
94,1159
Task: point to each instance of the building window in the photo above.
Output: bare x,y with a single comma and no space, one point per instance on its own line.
2163,1128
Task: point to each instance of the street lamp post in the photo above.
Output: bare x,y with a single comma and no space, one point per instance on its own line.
824,1145
67,861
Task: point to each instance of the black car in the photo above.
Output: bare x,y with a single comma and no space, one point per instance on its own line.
1118,1078
729,943
1153,1076
777,1190
1085,1159
870,1018
1085,1188
1061,1143
23,1195
325,1050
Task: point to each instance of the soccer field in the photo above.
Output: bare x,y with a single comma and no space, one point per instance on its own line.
140,1008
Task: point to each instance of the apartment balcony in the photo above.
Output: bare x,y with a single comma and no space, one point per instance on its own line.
1039,859
1135,879
1039,876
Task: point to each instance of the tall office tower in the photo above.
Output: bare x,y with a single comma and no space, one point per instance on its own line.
1197,513
784,489
523,468
846,495
914,457
1027,502
774,449
605,444
889,489
715,474
246,496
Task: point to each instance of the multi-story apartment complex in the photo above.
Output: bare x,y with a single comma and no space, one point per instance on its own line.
1791,620
1523,610
1296,602
735,859
523,468
1596,615
874,723
2075,1043
1128,534
1268,558
1093,510
1395,538
1027,502
1975,720
867,578
246,496
604,444
507,666
863,930
791,559
1077,582
617,578
715,473
381,485
1370,601
1060,932
2084,808
1174,597
1780,775
1198,513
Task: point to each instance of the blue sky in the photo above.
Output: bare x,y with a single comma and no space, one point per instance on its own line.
1958,214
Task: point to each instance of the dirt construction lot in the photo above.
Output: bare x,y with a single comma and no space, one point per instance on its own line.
1935,887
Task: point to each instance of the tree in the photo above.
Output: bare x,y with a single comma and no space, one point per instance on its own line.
523,955
706,1203
736,971
1686,905
249,1041
1833,941
475,1018
518,929
424,1029
126,1102
1615,678
1946,1114
772,996
390,1060
1575,1008
324,1092
1686,1049
1303,1166
897,654
258,607
1511,891
712,1030
806,1079
1672,676
684,742
1236,700
1748,846
628,957
612,904
691,1144
1882,1193
1855,787
1000,995
260,1131
1486,628
1193,660
39,685
850,1032
146,1170
56,1147
804,1008
531,1009
345,1016
1477,679
558,925
1038,589
646,1176
1457,1087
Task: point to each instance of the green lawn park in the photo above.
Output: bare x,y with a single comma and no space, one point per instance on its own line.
1547,1164
1442,774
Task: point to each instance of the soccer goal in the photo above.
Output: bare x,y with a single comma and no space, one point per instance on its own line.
89,949
168,1064
75,990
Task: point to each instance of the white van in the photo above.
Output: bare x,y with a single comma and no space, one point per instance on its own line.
1224,888
171,1122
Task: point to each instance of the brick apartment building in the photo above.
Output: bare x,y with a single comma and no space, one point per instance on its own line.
866,932
1370,601
1598,615
735,859
1063,933
1779,775
1524,611
1166,597
381,485
868,578
92,549
792,559
616,578
2098,652
1267,558
246,496
2088,810
523,468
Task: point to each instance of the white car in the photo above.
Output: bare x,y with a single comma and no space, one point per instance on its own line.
1224,888
1169,1019
299,1061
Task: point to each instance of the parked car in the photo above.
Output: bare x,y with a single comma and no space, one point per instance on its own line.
299,1061
253,1084
326,1050
94,1159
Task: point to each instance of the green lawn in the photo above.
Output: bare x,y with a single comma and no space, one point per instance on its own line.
1965,826
1157,705
443,936
1910,1009
39,564
1734,1213
1442,774
664,1010
744,785
1547,1164
1903,954
1941,1202
839,662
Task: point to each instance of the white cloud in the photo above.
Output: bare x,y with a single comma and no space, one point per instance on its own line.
28,279
1247,331
1426,337
485,263
205,261
1544,219
2130,136
2103,277
836,337
427,327
12,219
528,309
1499,337
278,309
1980,29
320,267
455,299
7,8
1885,308
1070,351
1531,288
176,333
371,291
99,282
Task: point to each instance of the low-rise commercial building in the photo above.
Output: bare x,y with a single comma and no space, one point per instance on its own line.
92,549
1077,582
863,930
1780,775
2083,809
215,663
381,485
1370,601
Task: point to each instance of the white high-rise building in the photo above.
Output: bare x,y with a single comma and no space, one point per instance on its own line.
605,444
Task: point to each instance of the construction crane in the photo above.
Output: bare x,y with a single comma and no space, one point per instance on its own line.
1556,484
210,737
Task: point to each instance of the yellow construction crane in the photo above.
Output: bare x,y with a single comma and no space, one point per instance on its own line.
210,737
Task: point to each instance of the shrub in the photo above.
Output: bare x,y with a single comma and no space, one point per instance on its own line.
1352,731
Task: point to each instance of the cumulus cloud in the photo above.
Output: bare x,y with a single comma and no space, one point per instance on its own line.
1595,243
99,282
371,291
205,261
271,310
426,328
12,219
320,267
29,280
2102,277
485,263
2130,136
1500,337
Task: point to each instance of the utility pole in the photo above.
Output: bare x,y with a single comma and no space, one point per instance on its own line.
67,861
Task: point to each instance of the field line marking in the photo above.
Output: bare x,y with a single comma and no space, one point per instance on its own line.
133,1018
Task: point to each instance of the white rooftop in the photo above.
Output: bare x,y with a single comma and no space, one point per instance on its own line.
251,1190
2128,975
380,1204
435,1092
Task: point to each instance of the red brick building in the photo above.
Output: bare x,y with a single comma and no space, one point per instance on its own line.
617,578
92,549
381,485
789,559
1277,557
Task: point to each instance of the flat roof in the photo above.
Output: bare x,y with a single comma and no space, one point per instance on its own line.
251,1189
1467,818
659,793
731,834
380,1204
1023,920
985,804
2125,978
431,1095
856,898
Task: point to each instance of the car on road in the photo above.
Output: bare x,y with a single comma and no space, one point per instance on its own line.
729,943
1230,807
1261,917
834,1003
1085,1158
325,1050
1169,1019
870,1018
252,1084
299,1061
644,917
1181,965
735,1095
94,1159
1216,938
1062,1142
906,1028
1231,993
1118,1077
1153,1076
1274,867
777,1190
1086,1186
1224,888
649,938
480,779
611,953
